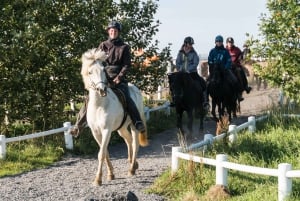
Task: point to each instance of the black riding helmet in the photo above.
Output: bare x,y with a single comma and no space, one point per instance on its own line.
229,40
114,24
189,40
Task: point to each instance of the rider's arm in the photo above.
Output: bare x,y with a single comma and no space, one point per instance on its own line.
179,61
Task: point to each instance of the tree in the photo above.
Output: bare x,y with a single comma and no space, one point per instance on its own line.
41,46
280,46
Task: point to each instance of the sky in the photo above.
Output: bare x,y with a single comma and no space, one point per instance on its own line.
204,20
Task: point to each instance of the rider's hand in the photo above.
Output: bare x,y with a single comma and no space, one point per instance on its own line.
117,79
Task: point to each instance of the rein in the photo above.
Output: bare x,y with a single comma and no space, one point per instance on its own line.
93,85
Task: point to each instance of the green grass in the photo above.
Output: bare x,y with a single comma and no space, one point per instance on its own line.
31,154
277,140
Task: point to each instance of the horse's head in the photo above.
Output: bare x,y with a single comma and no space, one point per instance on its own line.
179,82
216,73
92,71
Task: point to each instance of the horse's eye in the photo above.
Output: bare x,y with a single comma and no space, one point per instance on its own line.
104,63
90,72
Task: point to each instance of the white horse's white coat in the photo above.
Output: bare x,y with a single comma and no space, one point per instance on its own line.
105,113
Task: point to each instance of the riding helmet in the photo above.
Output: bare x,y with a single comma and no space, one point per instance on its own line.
229,40
189,40
114,24
219,38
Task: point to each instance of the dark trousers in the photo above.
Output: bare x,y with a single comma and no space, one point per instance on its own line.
131,106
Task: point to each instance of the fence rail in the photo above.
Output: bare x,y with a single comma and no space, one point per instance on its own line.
284,173
66,129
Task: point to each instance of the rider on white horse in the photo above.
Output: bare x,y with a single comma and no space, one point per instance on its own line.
118,62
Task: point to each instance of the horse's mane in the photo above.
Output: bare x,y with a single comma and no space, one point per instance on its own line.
87,59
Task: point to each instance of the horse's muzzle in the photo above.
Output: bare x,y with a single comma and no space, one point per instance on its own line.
102,92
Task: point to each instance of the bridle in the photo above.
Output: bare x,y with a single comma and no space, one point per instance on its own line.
102,91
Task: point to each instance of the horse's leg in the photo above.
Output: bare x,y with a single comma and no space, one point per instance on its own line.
221,109
135,148
179,114
110,174
213,110
190,123
102,155
123,132
201,117
132,146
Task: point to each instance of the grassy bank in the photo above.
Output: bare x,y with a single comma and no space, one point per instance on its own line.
277,140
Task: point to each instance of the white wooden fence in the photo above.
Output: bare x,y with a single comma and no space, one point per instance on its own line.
66,129
284,171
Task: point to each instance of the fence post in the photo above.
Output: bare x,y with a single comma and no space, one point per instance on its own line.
146,110
168,110
68,136
2,147
233,133
284,183
159,93
252,126
175,159
221,172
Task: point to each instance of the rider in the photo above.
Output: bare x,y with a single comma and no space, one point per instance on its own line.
236,56
220,55
118,63
187,61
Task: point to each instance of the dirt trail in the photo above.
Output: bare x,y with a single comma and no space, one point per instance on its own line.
71,178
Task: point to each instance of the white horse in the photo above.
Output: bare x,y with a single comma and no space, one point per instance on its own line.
105,113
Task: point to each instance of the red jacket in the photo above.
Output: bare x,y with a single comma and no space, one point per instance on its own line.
235,54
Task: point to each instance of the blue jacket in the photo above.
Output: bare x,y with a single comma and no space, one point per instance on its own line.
187,61
220,55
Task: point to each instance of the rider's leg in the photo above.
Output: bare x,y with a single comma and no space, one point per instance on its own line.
132,109
81,121
235,84
247,88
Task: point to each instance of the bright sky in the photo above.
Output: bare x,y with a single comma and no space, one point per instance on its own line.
204,20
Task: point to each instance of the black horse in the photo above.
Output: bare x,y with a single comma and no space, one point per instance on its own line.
187,96
222,91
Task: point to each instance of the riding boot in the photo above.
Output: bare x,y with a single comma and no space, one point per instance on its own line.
240,97
244,80
135,116
132,109
81,121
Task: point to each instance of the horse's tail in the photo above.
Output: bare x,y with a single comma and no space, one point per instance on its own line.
143,139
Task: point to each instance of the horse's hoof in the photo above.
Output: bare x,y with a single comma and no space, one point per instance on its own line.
131,172
136,166
97,183
110,177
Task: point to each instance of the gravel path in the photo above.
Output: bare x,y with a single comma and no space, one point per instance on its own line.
71,178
